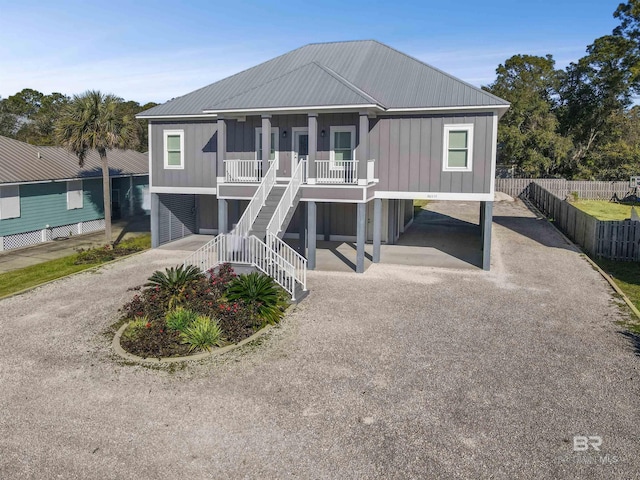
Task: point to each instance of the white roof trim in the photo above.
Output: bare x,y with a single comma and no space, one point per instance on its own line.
446,109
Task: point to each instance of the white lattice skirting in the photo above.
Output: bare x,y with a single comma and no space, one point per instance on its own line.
25,239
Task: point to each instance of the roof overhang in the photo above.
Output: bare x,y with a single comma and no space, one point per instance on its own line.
197,116
70,179
369,108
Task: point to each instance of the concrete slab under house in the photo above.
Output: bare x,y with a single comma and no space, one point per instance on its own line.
328,143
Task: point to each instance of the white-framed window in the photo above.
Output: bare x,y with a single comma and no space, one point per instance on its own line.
275,143
75,194
174,149
342,145
458,148
9,202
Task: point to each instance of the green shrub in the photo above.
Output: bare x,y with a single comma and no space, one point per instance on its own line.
137,325
177,282
202,334
180,318
261,292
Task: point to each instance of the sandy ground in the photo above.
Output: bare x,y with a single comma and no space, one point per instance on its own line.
403,372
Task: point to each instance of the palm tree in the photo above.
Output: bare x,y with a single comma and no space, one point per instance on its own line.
94,121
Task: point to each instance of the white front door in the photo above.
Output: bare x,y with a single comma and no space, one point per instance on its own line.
300,146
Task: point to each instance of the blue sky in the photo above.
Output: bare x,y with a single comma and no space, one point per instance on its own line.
155,50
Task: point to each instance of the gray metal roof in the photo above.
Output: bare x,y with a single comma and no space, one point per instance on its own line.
326,74
22,163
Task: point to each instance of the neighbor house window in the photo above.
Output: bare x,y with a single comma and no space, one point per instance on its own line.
342,145
174,149
9,202
275,143
458,148
75,196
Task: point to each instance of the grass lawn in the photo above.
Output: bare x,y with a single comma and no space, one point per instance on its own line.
627,276
604,210
34,275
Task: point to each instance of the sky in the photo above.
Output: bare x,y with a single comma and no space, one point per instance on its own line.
155,50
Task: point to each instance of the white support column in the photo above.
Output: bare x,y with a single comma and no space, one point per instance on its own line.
377,228
266,143
1,244
313,148
221,152
361,233
362,150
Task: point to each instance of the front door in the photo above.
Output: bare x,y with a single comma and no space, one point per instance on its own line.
300,146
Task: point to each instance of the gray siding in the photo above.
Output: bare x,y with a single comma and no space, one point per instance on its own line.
408,153
199,160
241,136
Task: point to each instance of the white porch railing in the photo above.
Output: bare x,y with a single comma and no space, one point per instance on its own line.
242,171
229,248
330,171
288,197
257,202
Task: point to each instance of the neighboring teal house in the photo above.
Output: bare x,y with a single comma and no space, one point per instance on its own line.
45,195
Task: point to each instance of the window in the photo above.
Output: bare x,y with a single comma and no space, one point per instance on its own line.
9,202
74,194
342,145
174,149
458,148
275,143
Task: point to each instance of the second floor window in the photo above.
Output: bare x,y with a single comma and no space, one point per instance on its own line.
458,148
174,149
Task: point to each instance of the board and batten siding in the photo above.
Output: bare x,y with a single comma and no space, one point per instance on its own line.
200,143
43,204
409,153
241,136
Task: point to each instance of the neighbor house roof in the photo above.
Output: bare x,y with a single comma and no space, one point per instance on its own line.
23,163
357,73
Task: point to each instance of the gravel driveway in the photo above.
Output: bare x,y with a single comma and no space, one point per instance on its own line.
402,372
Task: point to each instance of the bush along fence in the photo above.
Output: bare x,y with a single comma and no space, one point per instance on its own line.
614,240
562,188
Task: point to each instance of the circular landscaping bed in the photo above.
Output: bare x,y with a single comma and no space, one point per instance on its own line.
182,311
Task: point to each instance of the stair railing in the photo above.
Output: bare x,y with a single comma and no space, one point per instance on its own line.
250,250
287,200
258,200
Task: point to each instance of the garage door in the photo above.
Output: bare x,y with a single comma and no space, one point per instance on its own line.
177,216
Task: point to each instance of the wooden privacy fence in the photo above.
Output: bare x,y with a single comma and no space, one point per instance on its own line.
589,190
614,240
